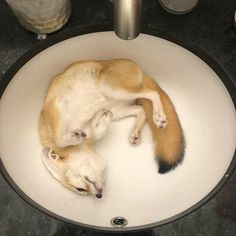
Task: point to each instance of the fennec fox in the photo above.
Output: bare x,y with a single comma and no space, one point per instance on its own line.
81,103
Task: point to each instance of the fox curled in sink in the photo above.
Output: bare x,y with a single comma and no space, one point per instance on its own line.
80,104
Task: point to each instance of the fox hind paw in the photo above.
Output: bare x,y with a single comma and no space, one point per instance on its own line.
160,119
135,138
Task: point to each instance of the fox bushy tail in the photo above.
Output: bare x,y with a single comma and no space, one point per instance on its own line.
169,141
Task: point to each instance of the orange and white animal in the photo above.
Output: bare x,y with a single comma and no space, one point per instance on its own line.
81,103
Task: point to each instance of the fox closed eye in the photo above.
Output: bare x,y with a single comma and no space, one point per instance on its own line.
81,189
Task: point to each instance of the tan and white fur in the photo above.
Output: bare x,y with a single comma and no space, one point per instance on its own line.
82,102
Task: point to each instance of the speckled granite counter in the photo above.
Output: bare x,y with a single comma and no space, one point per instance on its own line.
210,27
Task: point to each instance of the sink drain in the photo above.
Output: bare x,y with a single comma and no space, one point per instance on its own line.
119,221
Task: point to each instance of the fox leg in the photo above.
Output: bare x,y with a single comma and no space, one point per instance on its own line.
159,116
100,124
121,94
123,80
57,125
132,110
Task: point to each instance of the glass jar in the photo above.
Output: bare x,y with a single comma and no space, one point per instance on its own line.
41,16
178,6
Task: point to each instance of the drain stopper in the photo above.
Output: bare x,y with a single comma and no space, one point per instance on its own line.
119,221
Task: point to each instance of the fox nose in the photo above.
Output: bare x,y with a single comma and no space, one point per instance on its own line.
99,195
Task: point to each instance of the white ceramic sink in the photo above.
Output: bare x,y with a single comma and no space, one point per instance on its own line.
133,190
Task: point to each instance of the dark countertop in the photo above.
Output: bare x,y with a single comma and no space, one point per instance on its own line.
210,27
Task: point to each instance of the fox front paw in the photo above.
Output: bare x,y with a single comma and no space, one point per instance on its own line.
101,123
107,114
104,119
160,119
77,136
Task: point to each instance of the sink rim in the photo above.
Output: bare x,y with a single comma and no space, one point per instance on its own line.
222,74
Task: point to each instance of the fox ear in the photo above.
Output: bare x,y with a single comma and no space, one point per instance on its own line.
53,156
48,153
50,160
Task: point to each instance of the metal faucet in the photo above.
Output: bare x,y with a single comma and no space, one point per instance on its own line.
127,17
